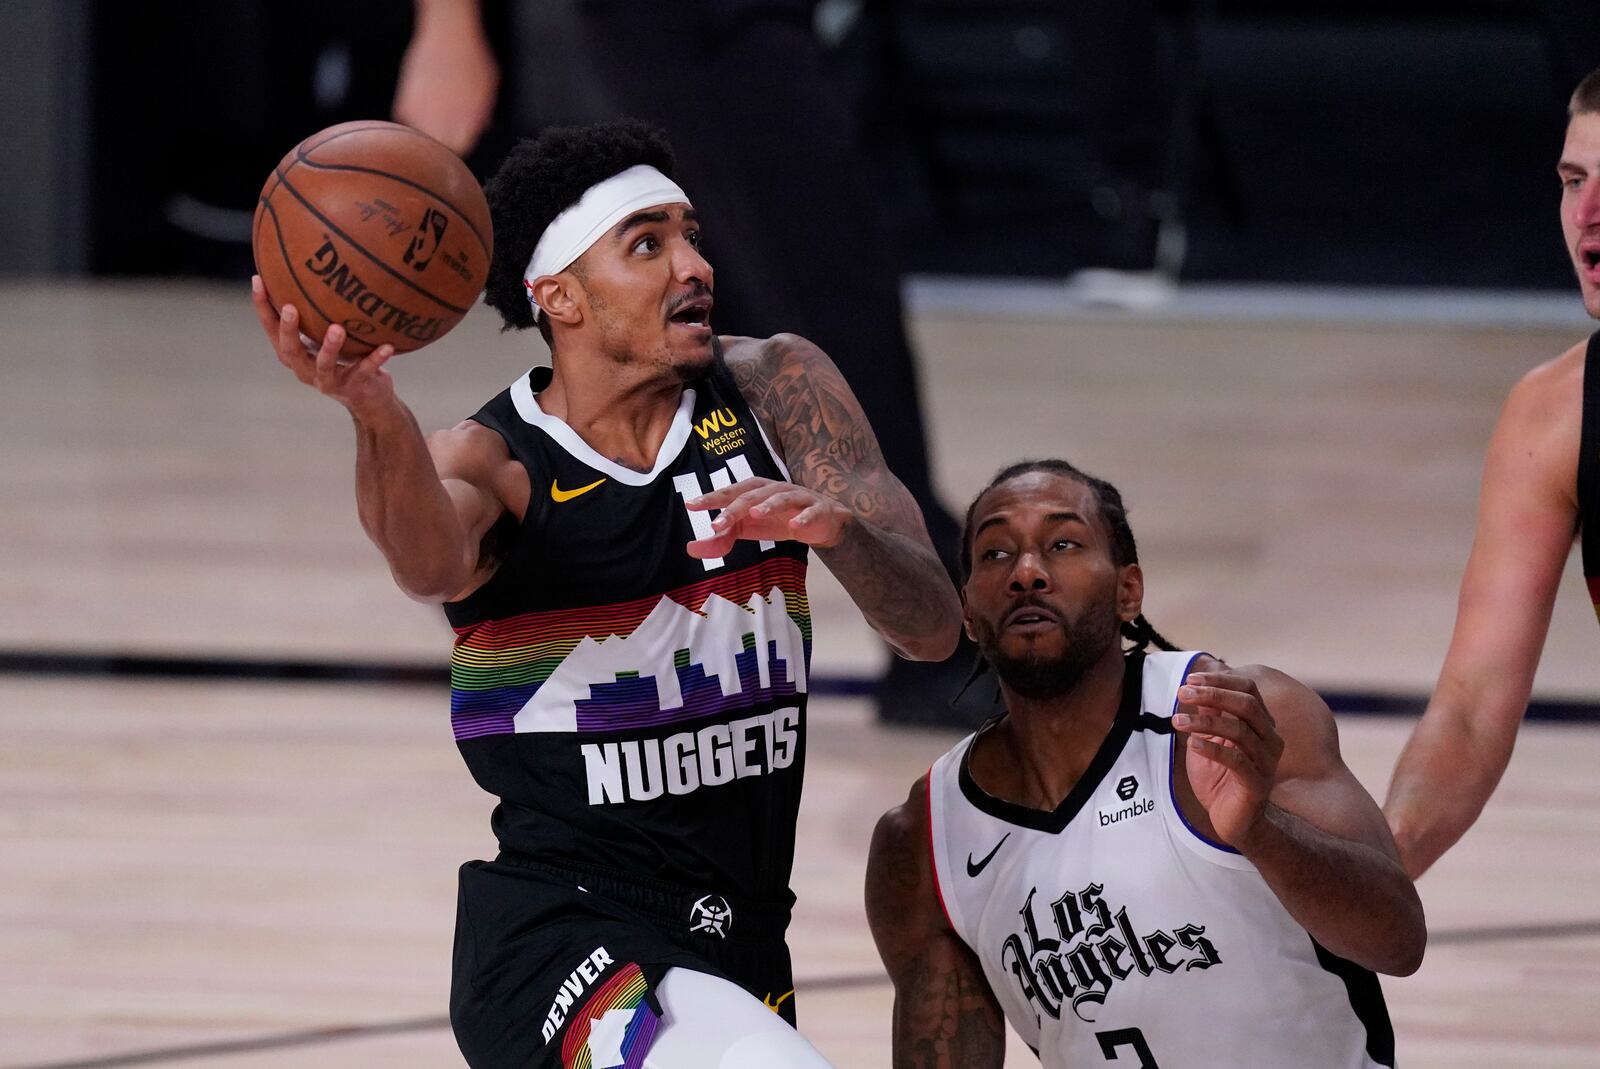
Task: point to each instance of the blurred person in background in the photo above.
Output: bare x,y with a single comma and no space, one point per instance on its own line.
255,78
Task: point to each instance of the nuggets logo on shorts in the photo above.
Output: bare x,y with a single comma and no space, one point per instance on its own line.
614,1028
711,915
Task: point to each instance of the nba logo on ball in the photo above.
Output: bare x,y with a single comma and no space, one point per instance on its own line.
426,240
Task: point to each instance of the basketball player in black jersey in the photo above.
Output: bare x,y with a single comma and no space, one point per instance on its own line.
1244,761
1541,483
620,542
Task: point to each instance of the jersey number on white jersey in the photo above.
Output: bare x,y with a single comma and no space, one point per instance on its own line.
1112,1041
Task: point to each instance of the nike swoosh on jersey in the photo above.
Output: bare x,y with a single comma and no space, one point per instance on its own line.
975,867
558,495
774,1006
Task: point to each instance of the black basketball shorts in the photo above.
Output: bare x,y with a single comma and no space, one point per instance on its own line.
555,968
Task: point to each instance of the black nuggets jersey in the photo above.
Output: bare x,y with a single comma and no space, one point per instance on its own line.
635,709
1589,472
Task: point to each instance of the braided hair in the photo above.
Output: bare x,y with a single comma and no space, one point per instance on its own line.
1124,550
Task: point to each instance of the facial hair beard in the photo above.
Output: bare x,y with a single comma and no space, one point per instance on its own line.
1036,676
617,347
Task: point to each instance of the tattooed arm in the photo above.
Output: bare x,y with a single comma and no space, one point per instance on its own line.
844,501
945,1016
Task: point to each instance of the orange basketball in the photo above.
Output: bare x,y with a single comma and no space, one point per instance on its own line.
378,228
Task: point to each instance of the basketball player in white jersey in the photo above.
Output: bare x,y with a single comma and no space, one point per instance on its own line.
1149,859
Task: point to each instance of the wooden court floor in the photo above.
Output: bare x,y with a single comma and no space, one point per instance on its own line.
251,874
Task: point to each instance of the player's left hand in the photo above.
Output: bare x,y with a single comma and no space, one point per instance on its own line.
765,508
1233,750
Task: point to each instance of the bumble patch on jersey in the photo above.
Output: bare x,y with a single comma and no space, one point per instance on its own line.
1126,807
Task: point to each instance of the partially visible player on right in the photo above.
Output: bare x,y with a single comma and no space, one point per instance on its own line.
1541,485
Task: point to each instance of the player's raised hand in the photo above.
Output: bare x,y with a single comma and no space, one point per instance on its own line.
1233,749
358,383
767,509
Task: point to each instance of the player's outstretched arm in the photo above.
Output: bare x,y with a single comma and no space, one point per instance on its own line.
844,501
1261,757
945,1016
426,509
1527,512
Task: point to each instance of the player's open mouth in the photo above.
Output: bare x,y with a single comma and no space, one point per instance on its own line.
695,314
1030,618
1589,257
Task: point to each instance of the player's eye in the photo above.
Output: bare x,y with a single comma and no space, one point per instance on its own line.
994,553
1572,182
648,243
694,238
1065,543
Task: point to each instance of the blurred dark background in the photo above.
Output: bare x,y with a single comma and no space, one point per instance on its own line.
1404,142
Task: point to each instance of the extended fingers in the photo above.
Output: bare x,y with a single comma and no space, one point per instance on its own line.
715,546
1219,726
328,354
1240,761
355,372
1232,715
1232,682
1229,693
812,513
721,499
291,350
376,359
794,500
263,306
753,501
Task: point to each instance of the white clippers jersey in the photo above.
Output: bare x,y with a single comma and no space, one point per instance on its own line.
1111,932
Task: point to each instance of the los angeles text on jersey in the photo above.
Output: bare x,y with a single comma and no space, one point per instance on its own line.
637,770
1092,949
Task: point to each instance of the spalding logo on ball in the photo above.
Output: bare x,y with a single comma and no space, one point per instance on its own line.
377,227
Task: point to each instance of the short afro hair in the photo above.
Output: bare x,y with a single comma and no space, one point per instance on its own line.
543,177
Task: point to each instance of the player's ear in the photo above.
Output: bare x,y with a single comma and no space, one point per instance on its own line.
554,294
966,614
1130,592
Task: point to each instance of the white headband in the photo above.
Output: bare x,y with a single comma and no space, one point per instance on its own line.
602,206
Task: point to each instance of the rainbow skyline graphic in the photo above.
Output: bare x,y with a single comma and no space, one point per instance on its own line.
726,643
